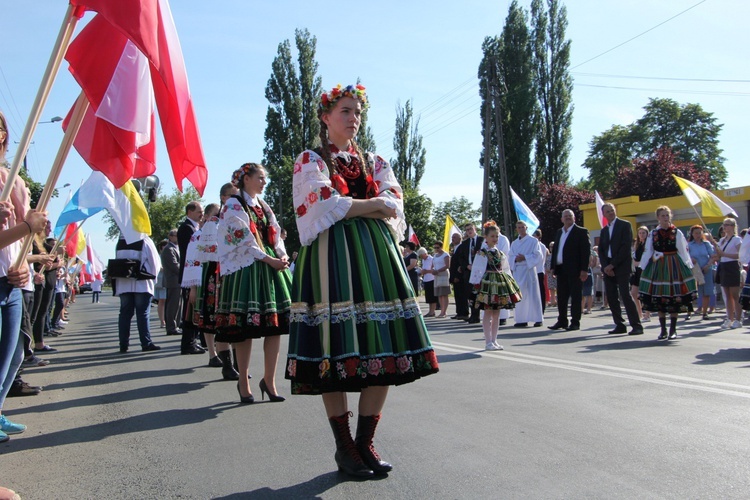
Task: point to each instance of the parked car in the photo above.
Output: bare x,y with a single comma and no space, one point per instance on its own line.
86,287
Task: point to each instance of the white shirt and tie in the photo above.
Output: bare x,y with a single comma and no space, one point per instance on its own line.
563,239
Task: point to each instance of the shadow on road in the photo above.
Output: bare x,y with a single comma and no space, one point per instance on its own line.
156,391
733,355
308,490
464,356
137,423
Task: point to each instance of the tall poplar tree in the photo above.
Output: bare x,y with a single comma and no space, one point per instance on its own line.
554,86
410,160
506,69
291,122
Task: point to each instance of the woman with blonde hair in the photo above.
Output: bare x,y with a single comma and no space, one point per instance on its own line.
667,284
728,251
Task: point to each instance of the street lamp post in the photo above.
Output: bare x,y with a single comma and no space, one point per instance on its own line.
54,119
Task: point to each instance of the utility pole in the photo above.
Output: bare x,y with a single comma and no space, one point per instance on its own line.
504,188
487,153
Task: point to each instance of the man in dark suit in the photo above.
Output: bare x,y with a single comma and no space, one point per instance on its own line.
571,265
170,264
615,255
459,290
193,213
465,255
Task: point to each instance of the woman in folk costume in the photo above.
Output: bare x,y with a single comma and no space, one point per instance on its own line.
525,259
498,291
255,280
356,324
201,276
667,284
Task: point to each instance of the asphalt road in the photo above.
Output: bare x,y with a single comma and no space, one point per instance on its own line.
555,415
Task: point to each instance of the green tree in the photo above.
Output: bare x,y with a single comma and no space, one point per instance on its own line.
35,188
291,122
688,130
165,213
460,209
417,210
507,86
365,138
410,160
554,87
608,154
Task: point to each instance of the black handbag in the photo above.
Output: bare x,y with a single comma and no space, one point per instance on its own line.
127,268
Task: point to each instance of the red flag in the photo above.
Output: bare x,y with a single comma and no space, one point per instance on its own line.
599,204
412,236
149,25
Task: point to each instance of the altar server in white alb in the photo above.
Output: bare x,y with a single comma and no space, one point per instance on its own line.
525,259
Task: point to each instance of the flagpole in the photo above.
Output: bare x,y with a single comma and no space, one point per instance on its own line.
60,241
79,111
699,218
72,15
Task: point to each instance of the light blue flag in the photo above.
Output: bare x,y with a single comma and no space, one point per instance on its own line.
73,212
524,213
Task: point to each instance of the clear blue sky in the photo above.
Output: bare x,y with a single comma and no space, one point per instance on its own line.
425,51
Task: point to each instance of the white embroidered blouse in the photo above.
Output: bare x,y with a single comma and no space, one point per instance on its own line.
319,206
237,247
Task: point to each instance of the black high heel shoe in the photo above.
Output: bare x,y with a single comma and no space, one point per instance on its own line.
245,400
274,398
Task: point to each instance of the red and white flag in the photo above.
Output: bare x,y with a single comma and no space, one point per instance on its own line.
116,135
412,236
599,204
148,24
93,263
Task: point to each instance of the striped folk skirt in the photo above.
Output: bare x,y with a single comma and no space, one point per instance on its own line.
497,291
204,312
355,320
254,302
667,285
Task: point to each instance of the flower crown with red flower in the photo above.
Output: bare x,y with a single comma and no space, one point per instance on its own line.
245,169
328,99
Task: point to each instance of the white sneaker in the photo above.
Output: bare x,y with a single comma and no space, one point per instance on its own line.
726,324
490,347
498,346
736,324
61,322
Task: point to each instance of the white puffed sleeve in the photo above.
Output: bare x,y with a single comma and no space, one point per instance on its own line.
390,189
317,204
648,252
745,249
479,266
237,246
192,274
682,249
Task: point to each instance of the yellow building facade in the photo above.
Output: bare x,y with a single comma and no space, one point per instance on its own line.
642,213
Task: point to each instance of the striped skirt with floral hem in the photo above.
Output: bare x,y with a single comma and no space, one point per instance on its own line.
204,312
355,321
254,302
667,285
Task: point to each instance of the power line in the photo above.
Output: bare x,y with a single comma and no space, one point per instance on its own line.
675,79
637,36
674,91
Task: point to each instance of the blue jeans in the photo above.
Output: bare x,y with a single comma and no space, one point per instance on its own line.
11,345
140,302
